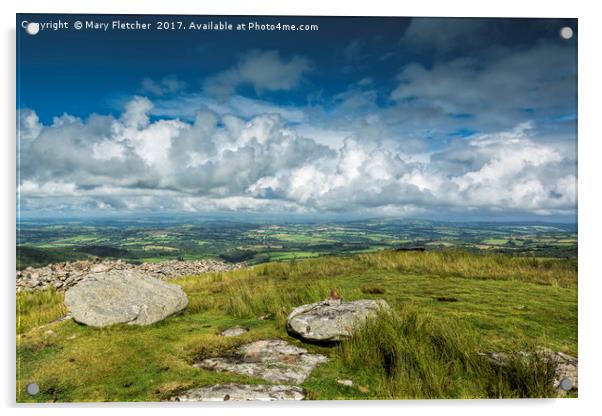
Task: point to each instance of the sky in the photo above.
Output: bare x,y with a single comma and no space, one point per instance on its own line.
432,118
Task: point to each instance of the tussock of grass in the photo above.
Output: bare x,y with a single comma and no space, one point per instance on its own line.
524,377
412,356
250,300
38,308
372,290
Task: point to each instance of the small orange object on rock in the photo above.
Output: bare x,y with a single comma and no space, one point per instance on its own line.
334,295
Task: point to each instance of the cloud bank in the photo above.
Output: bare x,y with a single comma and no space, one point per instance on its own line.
222,162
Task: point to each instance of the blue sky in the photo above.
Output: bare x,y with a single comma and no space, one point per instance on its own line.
374,116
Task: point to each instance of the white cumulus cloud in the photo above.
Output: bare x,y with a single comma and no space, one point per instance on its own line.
221,162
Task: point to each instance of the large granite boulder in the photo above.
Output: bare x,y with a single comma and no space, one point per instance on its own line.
273,360
123,296
241,392
329,320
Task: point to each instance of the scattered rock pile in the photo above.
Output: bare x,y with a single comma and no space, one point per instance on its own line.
62,276
273,360
278,361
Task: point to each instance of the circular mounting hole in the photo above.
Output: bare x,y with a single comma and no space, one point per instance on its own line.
566,33
566,384
32,28
33,389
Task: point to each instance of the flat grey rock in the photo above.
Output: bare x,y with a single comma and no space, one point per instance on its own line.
234,331
272,360
329,321
123,296
241,392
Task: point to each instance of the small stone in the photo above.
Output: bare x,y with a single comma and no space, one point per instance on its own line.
100,268
347,383
234,331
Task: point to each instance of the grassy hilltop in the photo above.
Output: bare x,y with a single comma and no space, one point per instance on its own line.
447,306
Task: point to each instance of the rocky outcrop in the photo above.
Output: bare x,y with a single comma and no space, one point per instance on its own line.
241,392
329,321
273,360
62,276
566,368
123,296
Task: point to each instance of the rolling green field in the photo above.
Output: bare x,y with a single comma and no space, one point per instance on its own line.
447,306
150,240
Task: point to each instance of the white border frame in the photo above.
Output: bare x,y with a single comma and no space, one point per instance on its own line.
589,210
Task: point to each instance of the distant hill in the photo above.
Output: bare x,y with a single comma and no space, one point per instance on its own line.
37,257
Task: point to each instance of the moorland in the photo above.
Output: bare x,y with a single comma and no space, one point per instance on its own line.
475,288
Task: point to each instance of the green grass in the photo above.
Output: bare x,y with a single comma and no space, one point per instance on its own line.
411,355
426,349
38,308
495,241
37,257
301,238
290,255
